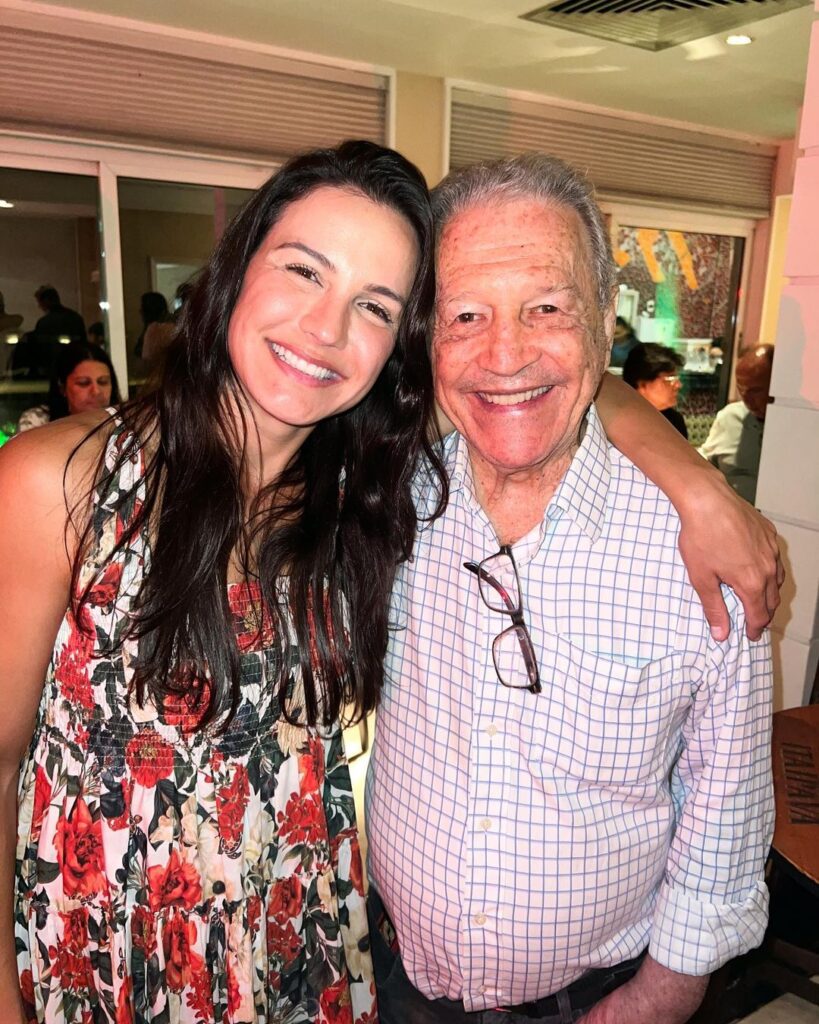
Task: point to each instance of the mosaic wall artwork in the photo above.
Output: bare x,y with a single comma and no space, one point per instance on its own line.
685,275
684,283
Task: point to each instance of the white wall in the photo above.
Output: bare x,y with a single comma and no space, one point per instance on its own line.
788,488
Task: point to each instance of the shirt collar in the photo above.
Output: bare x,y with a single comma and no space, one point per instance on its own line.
582,492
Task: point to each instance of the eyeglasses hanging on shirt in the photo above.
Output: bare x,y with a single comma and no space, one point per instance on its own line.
499,586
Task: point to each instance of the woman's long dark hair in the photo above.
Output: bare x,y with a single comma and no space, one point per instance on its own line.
338,519
67,359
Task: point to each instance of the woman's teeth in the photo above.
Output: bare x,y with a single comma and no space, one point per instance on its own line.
514,397
286,356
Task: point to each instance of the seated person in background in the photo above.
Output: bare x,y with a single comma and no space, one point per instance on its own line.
83,379
624,341
735,441
654,371
158,326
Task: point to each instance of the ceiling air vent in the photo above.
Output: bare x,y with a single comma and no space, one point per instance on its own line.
656,24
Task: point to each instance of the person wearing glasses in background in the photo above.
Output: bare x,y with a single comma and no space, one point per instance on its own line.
569,799
654,372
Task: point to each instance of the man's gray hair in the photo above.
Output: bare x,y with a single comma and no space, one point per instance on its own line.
536,176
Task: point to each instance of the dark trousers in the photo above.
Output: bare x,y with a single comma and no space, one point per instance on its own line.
399,1002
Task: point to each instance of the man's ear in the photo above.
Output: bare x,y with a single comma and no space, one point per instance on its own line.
609,319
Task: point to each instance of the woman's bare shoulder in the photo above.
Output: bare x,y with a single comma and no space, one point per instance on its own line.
54,460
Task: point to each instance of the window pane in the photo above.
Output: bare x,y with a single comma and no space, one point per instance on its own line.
48,237
167,231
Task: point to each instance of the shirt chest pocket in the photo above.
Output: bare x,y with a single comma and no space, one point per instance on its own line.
604,721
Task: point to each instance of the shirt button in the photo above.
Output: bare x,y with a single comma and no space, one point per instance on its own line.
491,729
483,990
479,919
486,824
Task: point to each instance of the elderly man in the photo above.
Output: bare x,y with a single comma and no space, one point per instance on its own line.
569,802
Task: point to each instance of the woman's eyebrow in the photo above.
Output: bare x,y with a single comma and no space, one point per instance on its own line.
381,289
319,257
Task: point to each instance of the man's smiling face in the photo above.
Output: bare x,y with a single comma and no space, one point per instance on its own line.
520,343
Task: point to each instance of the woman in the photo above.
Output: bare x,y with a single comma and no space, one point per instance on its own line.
654,372
187,847
186,843
83,379
157,325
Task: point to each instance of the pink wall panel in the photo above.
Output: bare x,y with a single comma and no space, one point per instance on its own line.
796,367
802,259
809,133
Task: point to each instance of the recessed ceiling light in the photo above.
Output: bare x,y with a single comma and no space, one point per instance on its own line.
6,205
738,40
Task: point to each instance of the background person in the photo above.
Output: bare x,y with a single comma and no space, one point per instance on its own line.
83,380
734,443
187,847
654,372
624,341
96,333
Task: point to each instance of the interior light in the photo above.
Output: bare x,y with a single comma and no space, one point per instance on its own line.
738,40
12,339
104,306
64,340
6,205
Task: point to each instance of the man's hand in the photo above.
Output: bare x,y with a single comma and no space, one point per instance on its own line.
723,539
655,994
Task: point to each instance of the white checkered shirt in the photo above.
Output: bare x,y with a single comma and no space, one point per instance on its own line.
518,840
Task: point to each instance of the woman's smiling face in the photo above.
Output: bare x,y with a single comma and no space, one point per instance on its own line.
319,307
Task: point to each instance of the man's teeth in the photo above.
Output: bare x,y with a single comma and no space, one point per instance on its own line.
514,397
286,356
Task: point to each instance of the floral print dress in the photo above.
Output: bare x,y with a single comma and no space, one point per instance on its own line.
170,874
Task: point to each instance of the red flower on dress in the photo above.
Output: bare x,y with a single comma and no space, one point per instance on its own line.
79,852
74,971
302,820
149,757
175,884
185,709
286,899
125,1006
182,962
335,1003
123,820
143,931
106,588
356,867
27,988
42,798
75,930
311,766
254,914
199,997
231,804
282,941
234,994
71,674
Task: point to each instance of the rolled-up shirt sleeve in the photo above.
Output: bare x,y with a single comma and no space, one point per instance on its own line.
713,902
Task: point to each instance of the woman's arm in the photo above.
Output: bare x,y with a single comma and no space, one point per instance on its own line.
34,586
723,539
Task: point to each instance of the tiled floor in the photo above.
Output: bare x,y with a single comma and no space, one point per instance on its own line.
785,1010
